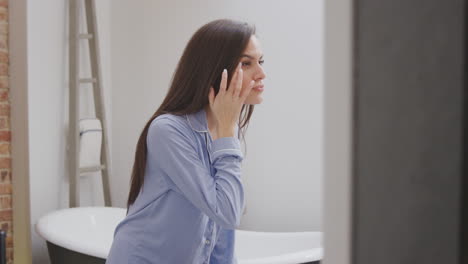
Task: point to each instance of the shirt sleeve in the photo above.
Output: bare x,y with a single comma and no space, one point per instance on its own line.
220,197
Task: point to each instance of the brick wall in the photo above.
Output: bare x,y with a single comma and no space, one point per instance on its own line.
5,134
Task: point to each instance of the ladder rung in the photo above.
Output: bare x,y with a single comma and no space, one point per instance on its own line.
92,169
85,36
89,80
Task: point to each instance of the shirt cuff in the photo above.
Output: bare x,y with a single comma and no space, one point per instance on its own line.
229,146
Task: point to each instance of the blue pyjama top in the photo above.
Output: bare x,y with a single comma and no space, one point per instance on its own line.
191,201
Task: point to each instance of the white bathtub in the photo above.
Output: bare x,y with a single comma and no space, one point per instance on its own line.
89,231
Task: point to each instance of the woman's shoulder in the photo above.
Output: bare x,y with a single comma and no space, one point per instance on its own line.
170,123
170,118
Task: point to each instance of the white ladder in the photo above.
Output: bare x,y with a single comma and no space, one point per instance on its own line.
75,82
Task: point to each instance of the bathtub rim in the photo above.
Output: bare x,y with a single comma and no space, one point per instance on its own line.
41,230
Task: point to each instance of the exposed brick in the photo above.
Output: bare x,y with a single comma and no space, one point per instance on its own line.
6,225
3,14
3,66
5,136
5,188
6,215
3,42
5,149
5,202
3,29
4,123
5,176
5,109
4,57
4,95
4,82
5,163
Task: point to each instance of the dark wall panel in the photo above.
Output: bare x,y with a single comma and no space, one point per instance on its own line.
408,131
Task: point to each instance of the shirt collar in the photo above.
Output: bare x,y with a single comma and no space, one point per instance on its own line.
197,121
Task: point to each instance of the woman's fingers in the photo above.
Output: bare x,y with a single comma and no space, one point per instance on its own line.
238,86
235,86
227,104
223,85
234,80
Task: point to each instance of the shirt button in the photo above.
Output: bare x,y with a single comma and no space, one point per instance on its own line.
207,242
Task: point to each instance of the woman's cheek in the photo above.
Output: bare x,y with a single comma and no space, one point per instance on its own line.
245,87
246,83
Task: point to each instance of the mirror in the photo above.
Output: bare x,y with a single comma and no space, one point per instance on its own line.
141,43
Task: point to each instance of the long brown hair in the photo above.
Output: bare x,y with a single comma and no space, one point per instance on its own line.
215,46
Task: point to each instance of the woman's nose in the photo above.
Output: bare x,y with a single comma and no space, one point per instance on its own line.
261,73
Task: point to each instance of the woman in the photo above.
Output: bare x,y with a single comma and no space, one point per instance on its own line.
186,196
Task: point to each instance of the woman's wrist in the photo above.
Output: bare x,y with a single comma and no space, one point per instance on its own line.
224,132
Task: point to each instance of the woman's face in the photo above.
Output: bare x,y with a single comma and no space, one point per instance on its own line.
252,61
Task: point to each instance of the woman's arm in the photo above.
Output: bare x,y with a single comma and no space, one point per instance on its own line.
220,197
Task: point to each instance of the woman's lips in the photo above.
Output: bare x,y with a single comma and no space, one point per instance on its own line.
259,88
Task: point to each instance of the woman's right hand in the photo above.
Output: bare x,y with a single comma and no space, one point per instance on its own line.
227,104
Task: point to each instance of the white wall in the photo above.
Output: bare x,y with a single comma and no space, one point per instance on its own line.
282,171
47,23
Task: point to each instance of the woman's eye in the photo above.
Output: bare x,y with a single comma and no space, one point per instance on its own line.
247,63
